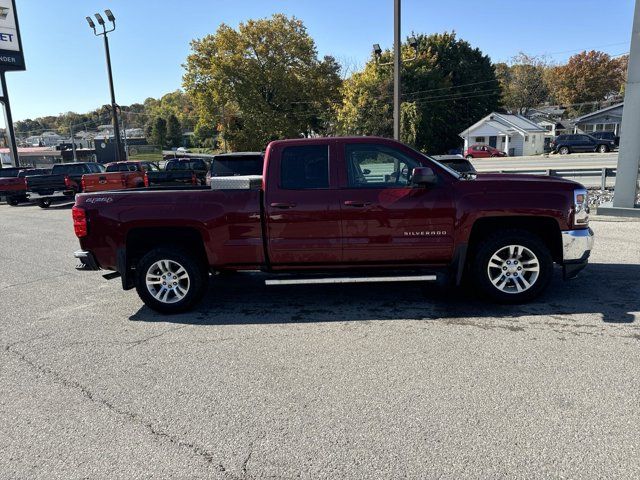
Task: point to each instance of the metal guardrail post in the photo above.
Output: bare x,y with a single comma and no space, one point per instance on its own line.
603,179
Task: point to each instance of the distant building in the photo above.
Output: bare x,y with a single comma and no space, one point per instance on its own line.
46,139
32,156
513,134
134,132
608,119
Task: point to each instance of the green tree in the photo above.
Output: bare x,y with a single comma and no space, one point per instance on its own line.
174,132
262,81
205,133
175,103
447,88
159,132
523,83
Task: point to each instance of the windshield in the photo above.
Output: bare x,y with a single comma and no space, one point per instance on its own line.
444,167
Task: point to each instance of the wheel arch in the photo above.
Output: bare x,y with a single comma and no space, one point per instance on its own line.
546,228
141,240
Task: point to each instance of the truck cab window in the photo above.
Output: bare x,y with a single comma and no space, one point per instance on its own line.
377,166
305,167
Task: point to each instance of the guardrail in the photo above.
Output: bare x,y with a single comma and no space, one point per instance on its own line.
602,173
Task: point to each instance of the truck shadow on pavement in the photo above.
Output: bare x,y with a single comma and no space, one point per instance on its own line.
610,290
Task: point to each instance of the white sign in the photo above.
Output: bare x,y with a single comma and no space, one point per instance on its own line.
8,31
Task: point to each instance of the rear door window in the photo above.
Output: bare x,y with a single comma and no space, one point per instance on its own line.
305,167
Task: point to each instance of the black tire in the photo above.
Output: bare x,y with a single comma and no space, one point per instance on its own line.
603,149
13,201
198,277
44,203
564,151
501,240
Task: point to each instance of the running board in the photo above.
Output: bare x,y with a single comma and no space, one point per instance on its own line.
333,280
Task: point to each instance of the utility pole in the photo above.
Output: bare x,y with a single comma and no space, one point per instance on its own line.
397,66
73,143
629,156
124,133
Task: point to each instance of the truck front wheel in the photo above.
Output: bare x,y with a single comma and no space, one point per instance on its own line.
512,266
170,280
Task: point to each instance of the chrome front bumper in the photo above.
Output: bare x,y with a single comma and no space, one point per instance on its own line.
576,248
576,245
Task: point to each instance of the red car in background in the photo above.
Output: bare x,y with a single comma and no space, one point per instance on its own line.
480,150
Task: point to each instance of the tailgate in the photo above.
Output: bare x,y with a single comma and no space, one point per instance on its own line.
46,182
98,182
12,185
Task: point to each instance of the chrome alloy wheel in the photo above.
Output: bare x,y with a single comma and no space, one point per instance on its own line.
513,269
167,281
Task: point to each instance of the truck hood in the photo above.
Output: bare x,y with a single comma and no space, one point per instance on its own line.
524,178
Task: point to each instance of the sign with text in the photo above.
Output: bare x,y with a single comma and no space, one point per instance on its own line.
11,57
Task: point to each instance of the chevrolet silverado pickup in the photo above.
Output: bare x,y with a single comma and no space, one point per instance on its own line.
13,186
119,176
64,181
10,183
339,210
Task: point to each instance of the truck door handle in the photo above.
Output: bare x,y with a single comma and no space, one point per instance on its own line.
356,203
283,206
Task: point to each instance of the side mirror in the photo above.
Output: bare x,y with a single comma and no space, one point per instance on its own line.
423,176
366,171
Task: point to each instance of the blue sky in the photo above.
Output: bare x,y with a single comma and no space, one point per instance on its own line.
66,68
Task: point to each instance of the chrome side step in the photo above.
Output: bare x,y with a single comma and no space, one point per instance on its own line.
333,280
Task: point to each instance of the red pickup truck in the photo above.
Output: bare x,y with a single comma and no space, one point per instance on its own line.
13,183
339,210
119,176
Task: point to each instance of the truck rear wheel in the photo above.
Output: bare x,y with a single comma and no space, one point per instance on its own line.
170,280
512,266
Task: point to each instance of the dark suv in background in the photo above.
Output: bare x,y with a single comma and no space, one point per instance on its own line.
607,136
580,142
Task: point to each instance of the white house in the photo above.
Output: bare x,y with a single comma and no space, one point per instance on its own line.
46,139
513,134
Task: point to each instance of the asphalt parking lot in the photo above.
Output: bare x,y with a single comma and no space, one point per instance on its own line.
363,381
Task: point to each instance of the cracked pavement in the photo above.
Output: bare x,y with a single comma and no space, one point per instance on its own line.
357,381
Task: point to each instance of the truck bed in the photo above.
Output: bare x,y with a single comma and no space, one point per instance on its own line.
46,184
227,220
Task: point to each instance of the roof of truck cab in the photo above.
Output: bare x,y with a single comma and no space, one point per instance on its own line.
323,140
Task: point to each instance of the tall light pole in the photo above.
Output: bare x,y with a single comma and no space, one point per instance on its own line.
114,105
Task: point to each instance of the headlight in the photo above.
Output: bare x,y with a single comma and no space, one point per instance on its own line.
581,207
